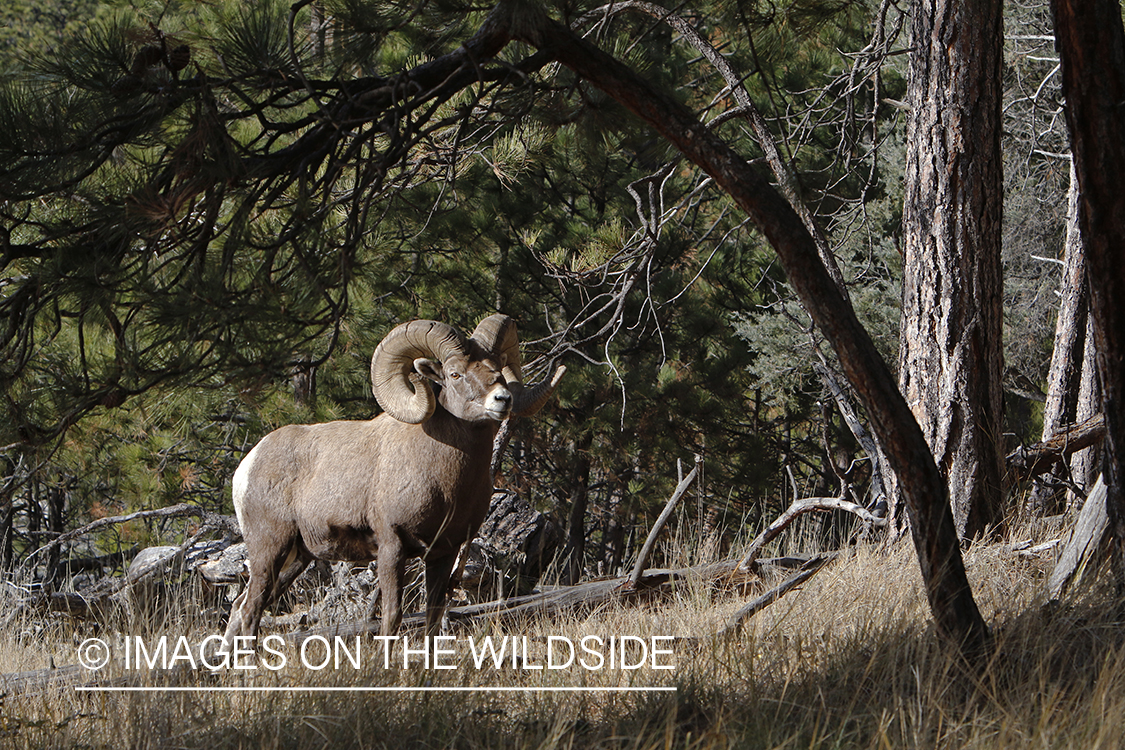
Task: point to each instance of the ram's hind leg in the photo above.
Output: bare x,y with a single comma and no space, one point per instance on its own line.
391,565
295,564
437,586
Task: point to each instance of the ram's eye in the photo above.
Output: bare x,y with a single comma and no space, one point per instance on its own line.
455,375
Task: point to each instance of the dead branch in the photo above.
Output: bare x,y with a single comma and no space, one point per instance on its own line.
811,568
213,520
798,508
1030,551
1028,462
561,600
657,527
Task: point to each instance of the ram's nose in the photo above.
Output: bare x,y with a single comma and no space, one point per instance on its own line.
499,403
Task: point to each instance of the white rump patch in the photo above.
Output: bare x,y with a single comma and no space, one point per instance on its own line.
241,481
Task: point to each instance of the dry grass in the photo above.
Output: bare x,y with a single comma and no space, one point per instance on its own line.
849,661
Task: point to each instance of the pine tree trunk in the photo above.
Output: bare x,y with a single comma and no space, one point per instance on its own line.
575,551
1085,465
1065,377
951,357
1091,43
303,381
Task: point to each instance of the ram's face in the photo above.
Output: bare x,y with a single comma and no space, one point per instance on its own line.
472,389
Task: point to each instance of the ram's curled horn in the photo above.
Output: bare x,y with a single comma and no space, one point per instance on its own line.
402,392
497,335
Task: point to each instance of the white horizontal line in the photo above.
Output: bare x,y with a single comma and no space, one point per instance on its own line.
298,689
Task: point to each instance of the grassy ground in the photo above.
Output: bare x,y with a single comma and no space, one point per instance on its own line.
848,661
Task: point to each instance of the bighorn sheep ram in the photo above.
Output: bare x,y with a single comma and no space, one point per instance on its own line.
413,482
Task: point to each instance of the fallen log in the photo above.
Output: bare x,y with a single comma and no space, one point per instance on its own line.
559,600
564,600
36,681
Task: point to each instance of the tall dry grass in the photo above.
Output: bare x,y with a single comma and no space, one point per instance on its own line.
848,661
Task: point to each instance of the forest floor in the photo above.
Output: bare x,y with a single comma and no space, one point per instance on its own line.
850,660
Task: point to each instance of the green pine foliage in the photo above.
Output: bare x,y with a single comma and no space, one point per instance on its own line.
196,206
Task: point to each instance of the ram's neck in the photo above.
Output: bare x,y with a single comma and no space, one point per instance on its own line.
470,437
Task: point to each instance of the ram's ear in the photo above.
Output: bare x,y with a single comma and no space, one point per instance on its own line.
429,369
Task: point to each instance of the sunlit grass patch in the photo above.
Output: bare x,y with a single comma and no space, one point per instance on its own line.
849,660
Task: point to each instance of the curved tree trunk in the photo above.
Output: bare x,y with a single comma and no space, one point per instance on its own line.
951,356
921,484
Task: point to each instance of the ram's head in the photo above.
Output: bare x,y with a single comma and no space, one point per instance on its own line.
479,375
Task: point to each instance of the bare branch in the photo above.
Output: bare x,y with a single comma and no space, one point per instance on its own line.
182,510
799,508
657,527
812,567
1028,462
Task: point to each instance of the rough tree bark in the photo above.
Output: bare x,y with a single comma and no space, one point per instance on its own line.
1086,464
1068,358
922,485
950,356
1091,43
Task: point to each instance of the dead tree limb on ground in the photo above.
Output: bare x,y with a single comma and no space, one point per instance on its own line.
1084,545
811,568
563,600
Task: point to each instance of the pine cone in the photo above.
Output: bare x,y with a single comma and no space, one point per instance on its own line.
179,57
146,57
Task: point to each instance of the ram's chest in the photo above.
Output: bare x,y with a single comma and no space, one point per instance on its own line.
451,506
446,502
